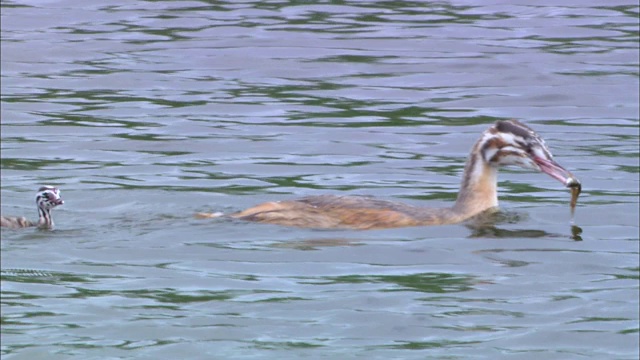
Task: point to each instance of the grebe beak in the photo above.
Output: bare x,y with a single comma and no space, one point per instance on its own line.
556,171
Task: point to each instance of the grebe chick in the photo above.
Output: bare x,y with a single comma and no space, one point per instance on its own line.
47,198
505,143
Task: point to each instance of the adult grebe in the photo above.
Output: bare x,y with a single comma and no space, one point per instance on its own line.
505,143
46,199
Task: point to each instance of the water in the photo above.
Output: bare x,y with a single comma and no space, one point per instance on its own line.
146,112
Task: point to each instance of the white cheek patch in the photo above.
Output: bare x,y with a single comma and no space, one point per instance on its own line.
489,154
509,159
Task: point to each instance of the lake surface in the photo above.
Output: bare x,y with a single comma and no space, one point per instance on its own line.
146,112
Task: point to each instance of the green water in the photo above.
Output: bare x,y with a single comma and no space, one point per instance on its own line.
146,112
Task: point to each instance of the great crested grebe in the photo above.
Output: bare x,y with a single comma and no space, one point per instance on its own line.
47,198
505,143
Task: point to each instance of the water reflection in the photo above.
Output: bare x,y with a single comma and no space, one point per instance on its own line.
486,225
500,233
434,283
147,112
315,244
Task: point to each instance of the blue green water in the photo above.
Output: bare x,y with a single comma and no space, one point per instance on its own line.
146,112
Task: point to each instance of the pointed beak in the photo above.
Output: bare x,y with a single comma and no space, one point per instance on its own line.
557,172
58,201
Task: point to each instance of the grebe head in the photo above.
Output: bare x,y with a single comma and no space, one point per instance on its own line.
48,197
513,143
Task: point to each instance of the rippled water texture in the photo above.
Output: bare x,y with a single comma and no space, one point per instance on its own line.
146,112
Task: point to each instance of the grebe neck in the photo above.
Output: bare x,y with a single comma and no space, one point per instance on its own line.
478,190
44,218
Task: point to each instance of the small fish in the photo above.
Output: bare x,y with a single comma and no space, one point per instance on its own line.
576,188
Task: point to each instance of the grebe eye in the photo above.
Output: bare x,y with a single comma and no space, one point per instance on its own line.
529,149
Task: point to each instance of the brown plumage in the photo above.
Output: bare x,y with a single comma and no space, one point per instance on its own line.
341,212
46,199
505,143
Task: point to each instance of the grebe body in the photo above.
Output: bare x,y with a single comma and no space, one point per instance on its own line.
505,143
354,212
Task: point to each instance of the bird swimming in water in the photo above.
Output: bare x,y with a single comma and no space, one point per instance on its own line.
505,143
47,198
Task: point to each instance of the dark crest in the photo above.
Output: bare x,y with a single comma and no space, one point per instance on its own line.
516,128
